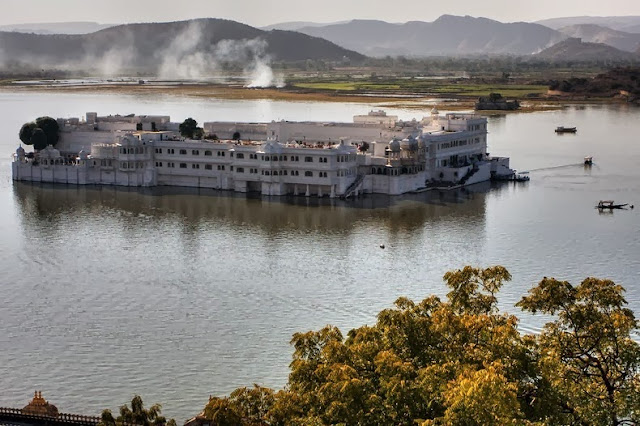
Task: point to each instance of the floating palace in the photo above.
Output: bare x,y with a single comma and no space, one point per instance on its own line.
376,153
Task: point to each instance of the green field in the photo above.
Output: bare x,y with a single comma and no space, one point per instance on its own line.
418,86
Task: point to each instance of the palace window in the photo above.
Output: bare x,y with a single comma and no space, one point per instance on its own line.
308,159
183,152
239,170
239,155
207,153
183,165
208,167
308,174
195,152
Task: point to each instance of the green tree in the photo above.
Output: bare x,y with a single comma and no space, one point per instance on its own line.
587,353
26,131
136,415
188,128
38,139
50,128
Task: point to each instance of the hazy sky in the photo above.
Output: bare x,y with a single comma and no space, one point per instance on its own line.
265,12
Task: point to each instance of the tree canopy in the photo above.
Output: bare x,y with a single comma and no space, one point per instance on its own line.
461,361
40,133
136,415
189,129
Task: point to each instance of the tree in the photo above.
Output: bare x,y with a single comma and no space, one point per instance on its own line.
38,139
136,415
50,128
49,136
188,127
461,361
236,136
587,353
26,131
222,412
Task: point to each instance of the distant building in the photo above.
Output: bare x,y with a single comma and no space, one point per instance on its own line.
495,101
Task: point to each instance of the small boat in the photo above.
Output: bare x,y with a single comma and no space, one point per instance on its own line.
588,161
562,129
609,204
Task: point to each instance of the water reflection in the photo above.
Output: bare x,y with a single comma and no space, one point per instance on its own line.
44,205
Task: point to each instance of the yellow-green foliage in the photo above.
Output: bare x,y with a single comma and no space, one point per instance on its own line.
460,361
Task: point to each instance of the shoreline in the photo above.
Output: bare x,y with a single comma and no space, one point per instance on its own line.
448,101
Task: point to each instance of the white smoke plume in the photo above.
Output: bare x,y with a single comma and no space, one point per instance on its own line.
183,60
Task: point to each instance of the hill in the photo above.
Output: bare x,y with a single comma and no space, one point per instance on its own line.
573,49
597,34
620,23
57,27
448,35
182,49
611,83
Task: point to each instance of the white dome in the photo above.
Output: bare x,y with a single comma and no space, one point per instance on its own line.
20,151
434,110
83,155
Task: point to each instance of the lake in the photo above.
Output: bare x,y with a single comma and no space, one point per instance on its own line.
178,294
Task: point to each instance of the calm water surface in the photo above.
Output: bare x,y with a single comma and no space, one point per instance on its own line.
179,294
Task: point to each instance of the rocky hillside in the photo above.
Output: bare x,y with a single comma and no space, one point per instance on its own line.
448,35
573,49
597,34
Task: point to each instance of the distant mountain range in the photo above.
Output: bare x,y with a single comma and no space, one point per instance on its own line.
628,24
191,49
296,25
447,35
598,34
183,48
57,27
573,49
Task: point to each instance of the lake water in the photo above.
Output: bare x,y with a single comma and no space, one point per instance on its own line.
179,294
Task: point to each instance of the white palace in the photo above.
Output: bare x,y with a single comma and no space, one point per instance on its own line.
376,153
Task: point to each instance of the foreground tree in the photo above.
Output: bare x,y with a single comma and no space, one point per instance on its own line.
460,361
136,415
587,353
